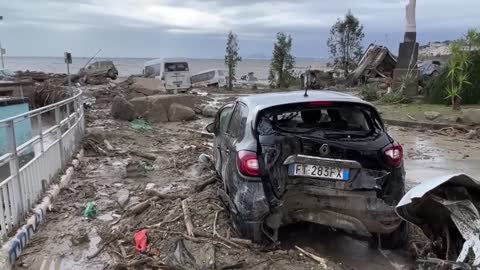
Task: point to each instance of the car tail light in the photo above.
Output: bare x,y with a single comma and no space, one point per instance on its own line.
320,103
393,154
247,163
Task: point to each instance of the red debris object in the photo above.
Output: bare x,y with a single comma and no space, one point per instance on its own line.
141,241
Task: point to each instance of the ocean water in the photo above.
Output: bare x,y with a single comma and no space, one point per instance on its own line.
129,66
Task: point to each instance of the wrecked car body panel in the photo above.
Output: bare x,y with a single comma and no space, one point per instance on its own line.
360,212
446,208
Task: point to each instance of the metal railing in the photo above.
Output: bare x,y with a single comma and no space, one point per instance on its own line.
29,168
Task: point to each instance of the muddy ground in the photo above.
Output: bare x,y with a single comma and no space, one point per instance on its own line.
171,172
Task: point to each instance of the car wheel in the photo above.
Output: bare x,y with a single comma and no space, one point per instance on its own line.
111,74
396,239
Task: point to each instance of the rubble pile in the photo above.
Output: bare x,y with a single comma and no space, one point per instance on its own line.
458,131
39,76
316,79
48,92
157,108
376,64
51,87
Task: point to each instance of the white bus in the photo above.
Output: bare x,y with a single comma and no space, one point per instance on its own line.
174,72
211,77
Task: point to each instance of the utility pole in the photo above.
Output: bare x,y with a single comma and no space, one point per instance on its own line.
1,48
1,54
68,61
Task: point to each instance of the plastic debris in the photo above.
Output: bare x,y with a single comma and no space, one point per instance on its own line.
91,210
204,158
179,257
141,125
141,241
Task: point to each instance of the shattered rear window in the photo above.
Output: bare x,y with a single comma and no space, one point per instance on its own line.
336,121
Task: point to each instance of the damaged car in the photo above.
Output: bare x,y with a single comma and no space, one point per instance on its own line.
100,68
319,156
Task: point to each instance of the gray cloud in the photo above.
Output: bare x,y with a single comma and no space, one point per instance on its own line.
198,27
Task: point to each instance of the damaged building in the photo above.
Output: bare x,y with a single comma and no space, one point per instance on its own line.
376,63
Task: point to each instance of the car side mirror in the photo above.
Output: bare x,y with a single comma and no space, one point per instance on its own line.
211,128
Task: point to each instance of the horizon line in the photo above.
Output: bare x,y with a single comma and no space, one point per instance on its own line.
134,57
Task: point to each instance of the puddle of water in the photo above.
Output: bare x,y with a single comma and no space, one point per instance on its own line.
70,262
429,155
421,170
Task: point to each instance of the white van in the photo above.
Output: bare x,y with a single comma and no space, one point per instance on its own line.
174,72
211,77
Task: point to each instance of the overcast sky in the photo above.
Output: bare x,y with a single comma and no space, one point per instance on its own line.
198,28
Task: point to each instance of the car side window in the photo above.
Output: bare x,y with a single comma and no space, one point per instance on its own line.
239,119
224,119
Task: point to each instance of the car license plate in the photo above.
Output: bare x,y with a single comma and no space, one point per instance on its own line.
177,82
319,171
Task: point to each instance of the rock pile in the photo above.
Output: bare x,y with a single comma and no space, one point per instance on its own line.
156,108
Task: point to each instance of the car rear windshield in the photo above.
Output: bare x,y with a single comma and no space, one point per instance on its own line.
332,120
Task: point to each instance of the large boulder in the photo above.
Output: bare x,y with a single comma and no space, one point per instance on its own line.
141,104
167,100
470,117
178,112
122,109
431,115
156,108
156,113
209,111
147,86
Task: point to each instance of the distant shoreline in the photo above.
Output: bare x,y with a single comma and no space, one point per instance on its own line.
301,59
130,66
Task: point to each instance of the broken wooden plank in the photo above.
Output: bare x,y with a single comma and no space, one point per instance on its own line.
187,218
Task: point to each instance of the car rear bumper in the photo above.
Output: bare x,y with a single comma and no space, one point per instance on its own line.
360,212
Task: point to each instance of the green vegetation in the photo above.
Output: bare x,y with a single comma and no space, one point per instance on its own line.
459,82
394,97
368,92
281,66
458,74
231,58
472,37
345,42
